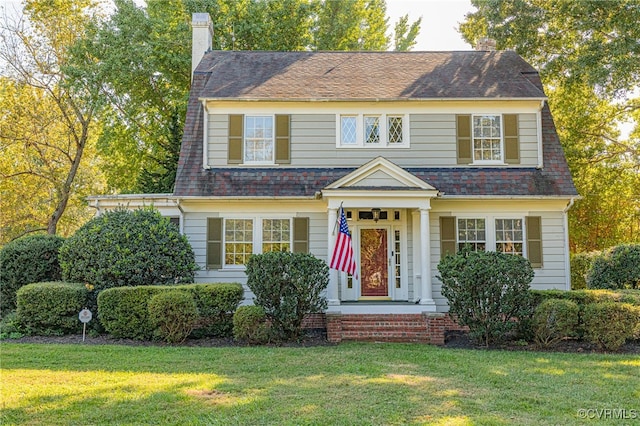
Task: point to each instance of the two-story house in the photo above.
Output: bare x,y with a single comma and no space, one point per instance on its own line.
425,151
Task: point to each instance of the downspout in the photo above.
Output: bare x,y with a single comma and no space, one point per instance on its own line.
567,257
181,215
539,126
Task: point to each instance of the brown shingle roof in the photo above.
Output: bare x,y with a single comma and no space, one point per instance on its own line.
215,69
366,75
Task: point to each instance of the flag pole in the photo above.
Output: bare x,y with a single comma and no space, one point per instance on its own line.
335,225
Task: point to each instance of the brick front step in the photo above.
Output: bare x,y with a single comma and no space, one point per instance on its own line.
424,328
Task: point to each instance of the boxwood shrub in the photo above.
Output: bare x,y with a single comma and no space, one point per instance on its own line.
554,320
124,311
580,266
173,315
27,260
50,308
250,325
128,248
609,324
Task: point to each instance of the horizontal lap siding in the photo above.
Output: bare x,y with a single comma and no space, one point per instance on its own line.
195,227
313,142
550,276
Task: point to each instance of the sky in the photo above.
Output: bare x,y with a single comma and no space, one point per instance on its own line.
440,19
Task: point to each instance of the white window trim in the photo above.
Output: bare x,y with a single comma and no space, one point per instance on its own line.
384,135
244,141
488,162
490,229
257,235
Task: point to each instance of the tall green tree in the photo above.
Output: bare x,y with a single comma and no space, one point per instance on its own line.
141,58
47,126
588,54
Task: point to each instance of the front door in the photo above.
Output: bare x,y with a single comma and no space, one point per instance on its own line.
374,267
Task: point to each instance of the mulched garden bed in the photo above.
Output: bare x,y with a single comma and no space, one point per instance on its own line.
460,340
453,340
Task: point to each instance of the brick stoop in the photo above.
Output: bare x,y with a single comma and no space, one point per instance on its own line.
421,328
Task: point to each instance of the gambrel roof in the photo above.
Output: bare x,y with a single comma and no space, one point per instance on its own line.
324,76
257,75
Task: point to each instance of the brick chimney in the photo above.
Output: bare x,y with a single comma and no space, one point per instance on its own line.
486,44
202,38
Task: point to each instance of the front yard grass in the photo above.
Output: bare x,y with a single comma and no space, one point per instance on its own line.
349,384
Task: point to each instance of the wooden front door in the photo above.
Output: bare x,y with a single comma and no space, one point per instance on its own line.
374,268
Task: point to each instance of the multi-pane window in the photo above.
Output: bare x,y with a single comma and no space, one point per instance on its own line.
348,129
372,129
487,138
509,236
369,130
472,233
258,139
238,241
394,129
276,235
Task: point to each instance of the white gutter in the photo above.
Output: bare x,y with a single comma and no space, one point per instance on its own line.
567,257
541,99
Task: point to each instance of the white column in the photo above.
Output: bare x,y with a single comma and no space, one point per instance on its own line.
425,257
332,289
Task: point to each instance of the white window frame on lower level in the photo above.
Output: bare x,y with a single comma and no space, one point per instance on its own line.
491,241
361,130
257,237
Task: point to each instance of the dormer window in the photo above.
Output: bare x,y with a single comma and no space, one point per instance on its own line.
372,130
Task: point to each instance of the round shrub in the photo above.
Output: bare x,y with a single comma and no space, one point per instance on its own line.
487,291
610,324
173,314
250,325
27,260
287,286
617,268
51,308
554,320
128,248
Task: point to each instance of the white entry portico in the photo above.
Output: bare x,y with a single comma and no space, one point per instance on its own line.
401,197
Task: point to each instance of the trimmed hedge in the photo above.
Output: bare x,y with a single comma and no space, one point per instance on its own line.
250,325
173,314
128,248
27,260
617,268
554,320
582,297
124,313
609,324
51,308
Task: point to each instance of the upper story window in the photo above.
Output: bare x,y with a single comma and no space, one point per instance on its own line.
258,139
487,138
372,130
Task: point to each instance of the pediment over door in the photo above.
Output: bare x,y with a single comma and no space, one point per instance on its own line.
380,173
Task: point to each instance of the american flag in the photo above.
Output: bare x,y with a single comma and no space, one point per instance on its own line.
342,258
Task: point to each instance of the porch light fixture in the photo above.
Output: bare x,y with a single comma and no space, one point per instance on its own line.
376,214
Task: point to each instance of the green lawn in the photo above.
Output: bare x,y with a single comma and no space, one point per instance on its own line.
348,384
